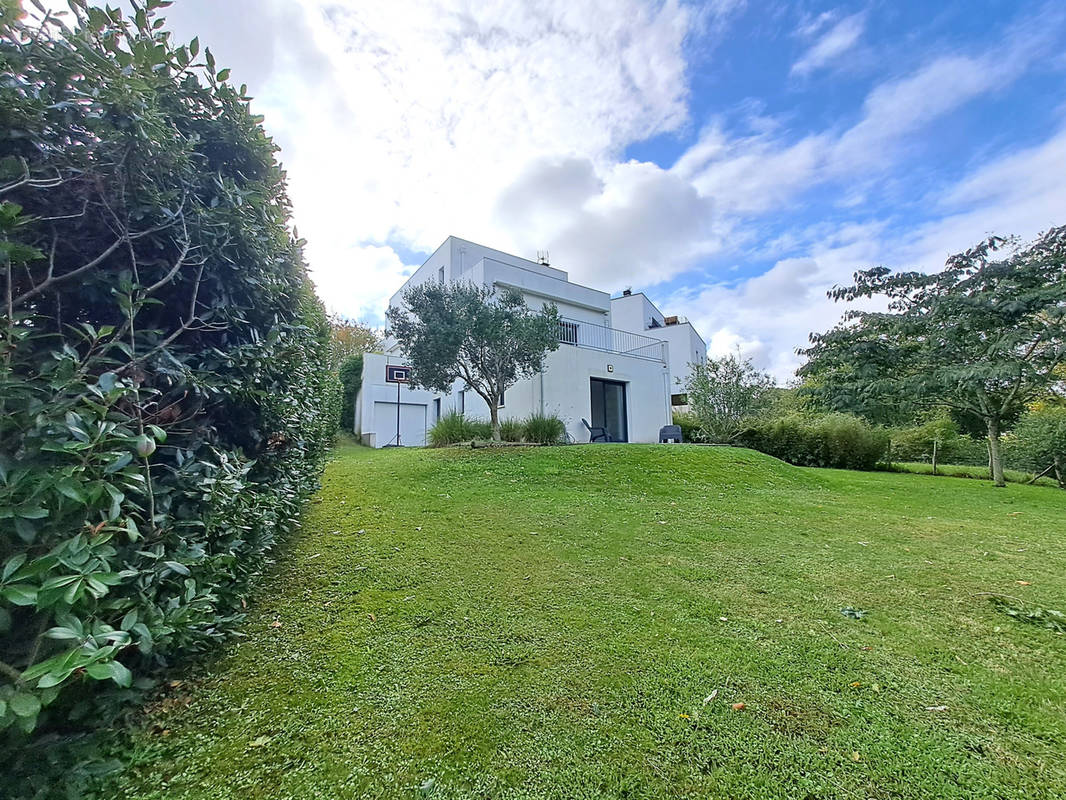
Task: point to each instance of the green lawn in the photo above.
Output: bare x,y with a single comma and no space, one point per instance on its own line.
551,622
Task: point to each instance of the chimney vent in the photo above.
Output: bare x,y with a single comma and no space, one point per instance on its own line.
627,292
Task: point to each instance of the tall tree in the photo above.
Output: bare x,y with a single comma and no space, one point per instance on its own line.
350,338
723,392
459,331
982,338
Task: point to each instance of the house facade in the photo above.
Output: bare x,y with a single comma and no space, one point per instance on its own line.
617,366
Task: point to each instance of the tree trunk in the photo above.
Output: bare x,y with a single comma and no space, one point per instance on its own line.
934,456
994,457
1059,476
494,417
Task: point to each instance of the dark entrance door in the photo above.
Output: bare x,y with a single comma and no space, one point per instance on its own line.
609,408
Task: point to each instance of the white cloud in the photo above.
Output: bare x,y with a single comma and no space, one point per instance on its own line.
360,279
401,121
769,315
838,40
636,224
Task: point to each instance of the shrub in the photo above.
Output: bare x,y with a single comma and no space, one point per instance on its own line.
723,392
1040,440
830,440
691,431
512,430
166,400
544,429
453,428
915,444
351,379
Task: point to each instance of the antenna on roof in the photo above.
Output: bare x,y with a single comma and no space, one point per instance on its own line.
542,257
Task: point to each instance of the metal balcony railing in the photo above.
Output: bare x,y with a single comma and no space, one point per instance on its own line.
610,340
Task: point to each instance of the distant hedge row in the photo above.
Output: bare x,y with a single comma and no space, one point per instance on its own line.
842,441
165,396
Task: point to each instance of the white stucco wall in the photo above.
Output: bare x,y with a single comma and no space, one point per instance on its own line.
634,312
563,388
686,347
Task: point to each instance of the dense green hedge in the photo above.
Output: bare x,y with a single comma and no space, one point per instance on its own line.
165,397
351,378
829,440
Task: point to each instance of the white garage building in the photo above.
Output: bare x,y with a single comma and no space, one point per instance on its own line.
619,365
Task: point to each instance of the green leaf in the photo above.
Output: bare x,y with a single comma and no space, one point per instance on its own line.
54,679
100,671
223,75
177,567
20,594
107,381
121,675
69,488
119,462
113,670
59,632
24,705
13,564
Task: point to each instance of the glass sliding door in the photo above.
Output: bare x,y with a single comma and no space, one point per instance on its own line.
609,408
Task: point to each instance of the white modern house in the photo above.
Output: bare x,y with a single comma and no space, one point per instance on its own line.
619,365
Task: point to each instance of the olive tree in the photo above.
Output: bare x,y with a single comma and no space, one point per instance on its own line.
981,339
486,337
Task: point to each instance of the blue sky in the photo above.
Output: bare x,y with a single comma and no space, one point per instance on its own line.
732,159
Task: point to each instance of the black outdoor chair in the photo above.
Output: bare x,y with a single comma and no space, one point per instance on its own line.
596,434
670,433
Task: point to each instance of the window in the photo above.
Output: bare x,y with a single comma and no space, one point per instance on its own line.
462,401
567,332
440,274
436,409
501,399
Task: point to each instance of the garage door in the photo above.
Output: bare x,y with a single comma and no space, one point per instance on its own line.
412,424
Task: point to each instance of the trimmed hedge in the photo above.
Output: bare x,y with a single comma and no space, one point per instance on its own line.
351,378
841,441
166,401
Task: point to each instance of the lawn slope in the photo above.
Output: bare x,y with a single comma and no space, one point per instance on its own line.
553,623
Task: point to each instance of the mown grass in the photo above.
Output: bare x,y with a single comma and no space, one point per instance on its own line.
550,623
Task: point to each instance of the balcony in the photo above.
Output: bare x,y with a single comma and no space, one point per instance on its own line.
610,340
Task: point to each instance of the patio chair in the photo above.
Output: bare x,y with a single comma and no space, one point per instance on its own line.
671,434
597,433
